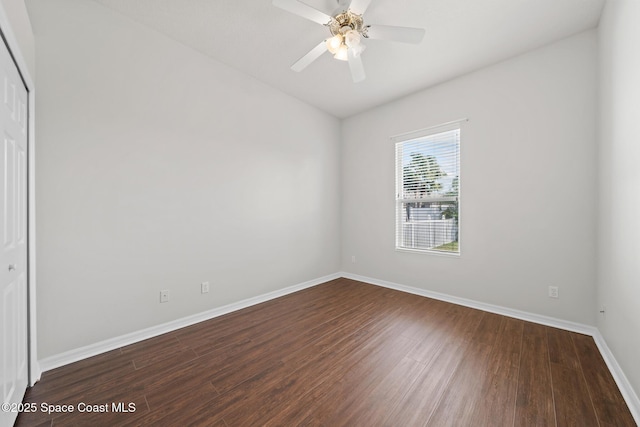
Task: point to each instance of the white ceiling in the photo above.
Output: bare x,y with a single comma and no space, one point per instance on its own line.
263,41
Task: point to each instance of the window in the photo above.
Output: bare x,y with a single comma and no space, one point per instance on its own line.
428,190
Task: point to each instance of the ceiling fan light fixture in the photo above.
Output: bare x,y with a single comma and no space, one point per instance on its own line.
352,38
334,43
347,29
343,53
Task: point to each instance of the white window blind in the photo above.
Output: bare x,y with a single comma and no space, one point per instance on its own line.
428,190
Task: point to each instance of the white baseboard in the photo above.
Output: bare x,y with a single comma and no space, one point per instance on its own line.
133,337
509,312
629,395
36,372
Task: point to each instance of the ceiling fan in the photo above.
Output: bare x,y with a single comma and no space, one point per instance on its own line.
347,30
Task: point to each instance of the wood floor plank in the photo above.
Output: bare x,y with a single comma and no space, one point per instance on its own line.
219,334
187,379
602,388
343,353
282,342
26,421
95,369
371,409
446,326
571,395
420,401
154,350
307,376
187,411
281,383
499,389
70,384
462,401
107,412
355,385
534,402
429,317
255,332
354,376
359,386
103,387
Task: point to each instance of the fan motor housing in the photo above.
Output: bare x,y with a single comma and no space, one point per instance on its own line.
346,21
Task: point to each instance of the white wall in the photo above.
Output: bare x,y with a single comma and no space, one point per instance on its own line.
17,17
159,168
619,156
528,183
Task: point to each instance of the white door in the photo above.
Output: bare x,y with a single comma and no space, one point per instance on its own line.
13,237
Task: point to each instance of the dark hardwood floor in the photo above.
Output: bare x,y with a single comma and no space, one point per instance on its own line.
343,353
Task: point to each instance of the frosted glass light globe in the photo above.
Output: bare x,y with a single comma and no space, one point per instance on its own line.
352,38
333,44
342,53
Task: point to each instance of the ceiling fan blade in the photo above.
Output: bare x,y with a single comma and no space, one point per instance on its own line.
303,10
396,34
356,67
313,54
359,6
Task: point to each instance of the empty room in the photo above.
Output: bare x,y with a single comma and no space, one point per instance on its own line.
320,212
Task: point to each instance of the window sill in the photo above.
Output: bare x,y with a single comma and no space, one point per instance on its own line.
430,252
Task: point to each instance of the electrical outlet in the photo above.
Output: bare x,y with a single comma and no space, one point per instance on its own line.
204,287
353,259
164,296
553,292
603,311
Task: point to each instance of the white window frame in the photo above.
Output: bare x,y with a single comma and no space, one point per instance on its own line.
400,200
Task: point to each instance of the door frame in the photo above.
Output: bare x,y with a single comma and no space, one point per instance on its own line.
6,31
